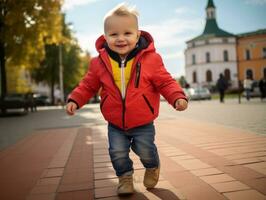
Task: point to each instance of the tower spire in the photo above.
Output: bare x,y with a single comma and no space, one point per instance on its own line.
210,10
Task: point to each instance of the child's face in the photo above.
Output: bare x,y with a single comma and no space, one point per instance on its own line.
121,34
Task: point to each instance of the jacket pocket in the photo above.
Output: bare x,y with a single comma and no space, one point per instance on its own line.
102,102
148,103
138,68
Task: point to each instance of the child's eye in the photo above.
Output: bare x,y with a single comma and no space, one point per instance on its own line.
127,33
113,34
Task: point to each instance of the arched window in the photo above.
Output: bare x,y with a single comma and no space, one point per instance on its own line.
208,76
227,74
194,76
247,54
193,59
208,59
249,73
225,55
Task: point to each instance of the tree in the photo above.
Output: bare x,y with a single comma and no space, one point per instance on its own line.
25,28
73,62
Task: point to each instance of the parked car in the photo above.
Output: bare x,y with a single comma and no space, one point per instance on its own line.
255,92
14,102
41,100
198,93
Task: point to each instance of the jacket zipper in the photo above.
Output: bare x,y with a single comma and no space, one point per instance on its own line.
123,81
124,98
123,101
148,103
138,68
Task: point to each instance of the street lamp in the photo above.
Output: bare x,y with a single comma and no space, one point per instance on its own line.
61,83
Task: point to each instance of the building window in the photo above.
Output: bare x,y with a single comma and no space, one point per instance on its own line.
208,57
247,54
225,55
249,73
227,74
264,52
194,76
225,40
209,76
193,59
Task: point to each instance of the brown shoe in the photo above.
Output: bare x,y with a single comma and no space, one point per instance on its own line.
125,185
151,177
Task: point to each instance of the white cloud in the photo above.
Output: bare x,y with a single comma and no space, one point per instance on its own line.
256,2
175,55
87,42
69,4
174,32
182,10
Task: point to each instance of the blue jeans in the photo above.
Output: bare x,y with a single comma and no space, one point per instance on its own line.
140,140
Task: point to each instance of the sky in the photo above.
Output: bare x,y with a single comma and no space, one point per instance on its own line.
170,22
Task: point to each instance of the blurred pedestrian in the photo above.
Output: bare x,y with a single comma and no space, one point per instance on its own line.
262,86
132,77
221,85
248,82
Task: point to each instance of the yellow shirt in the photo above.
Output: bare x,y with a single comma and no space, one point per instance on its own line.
121,75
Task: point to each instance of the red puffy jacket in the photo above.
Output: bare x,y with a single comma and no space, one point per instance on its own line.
148,80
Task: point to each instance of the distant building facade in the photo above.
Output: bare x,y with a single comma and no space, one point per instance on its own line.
211,53
251,52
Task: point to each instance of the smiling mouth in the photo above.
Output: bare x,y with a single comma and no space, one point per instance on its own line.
121,46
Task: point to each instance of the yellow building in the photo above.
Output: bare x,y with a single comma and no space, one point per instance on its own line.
251,54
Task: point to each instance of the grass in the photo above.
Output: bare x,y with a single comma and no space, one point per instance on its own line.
226,96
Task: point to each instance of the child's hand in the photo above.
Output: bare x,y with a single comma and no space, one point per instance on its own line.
71,108
181,104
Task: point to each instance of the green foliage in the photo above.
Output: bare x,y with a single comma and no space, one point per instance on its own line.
72,60
26,27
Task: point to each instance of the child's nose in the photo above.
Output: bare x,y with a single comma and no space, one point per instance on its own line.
120,37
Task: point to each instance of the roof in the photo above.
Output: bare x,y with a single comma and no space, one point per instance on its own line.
212,30
210,4
257,32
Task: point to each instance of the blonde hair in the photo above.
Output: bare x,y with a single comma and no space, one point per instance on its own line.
122,9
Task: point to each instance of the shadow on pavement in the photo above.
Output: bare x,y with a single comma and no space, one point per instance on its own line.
164,194
13,114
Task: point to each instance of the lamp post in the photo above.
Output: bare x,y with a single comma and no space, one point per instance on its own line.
61,80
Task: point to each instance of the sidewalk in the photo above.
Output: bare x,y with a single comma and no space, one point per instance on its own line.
200,161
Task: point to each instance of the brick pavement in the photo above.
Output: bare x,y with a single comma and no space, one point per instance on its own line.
200,161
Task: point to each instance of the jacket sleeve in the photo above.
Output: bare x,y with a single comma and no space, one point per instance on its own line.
165,84
87,87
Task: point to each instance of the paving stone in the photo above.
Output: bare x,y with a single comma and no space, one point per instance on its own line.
219,178
206,172
192,164
258,184
44,189
57,172
106,183
49,181
41,197
201,192
104,175
105,192
245,195
76,195
229,186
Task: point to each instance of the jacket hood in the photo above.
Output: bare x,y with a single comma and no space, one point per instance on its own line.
101,42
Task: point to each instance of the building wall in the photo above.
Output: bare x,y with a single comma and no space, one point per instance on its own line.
217,65
257,63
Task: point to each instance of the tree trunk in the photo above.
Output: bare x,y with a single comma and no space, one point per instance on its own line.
3,70
52,85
